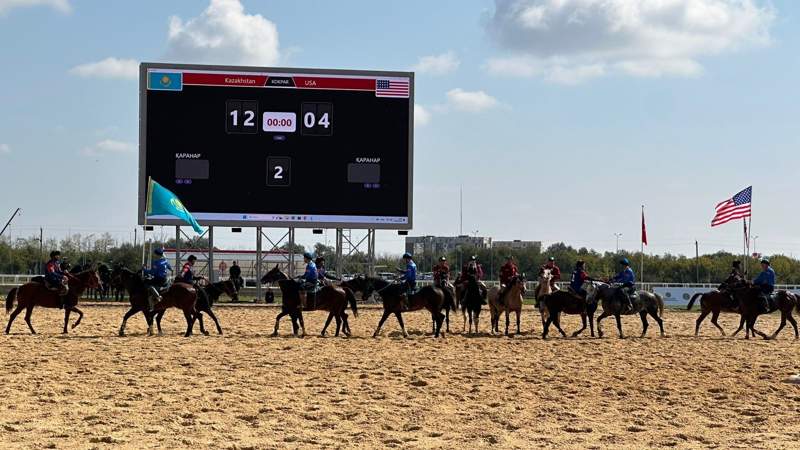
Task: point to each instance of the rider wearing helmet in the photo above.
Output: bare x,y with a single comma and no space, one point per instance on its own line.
766,283
735,279
308,280
56,276
156,277
627,279
472,267
322,272
441,272
579,276
408,277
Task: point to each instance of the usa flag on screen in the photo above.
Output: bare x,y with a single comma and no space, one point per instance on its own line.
391,88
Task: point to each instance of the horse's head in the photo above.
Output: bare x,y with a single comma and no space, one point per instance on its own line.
545,287
273,275
520,281
229,288
88,279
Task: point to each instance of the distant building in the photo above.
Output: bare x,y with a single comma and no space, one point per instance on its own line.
517,244
444,244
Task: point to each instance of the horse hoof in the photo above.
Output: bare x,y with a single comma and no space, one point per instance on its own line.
160,333
375,335
205,333
121,334
322,334
274,334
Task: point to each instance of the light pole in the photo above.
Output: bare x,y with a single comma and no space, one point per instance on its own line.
754,245
618,235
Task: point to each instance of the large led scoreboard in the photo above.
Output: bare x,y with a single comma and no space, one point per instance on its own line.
245,146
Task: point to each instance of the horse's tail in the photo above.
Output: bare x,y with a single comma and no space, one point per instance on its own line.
10,300
351,298
691,300
449,300
660,304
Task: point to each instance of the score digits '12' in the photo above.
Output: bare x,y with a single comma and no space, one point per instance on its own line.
316,119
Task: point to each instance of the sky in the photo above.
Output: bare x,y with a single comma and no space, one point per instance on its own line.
558,118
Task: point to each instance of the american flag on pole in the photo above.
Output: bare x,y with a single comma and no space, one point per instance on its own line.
734,208
391,88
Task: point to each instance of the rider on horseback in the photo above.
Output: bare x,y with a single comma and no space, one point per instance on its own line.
409,278
156,277
766,282
472,267
441,272
554,271
627,279
322,272
187,274
309,279
734,280
507,274
56,277
579,276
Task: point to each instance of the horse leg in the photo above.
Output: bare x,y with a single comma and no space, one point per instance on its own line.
714,317
470,323
447,318
654,314
278,321
327,322
199,316
591,323
302,324
557,322
619,325
28,312
600,318
80,316
125,318
507,321
700,320
645,324
66,319
159,316
741,325
546,327
780,327
753,328
439,320
518,312
338,324
399,316
464,313
583,327
214,318
380,323
189,322
794,325
14,315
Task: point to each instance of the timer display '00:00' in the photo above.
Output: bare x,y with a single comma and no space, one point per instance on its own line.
279,122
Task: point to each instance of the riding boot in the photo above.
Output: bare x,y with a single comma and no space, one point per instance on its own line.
764,303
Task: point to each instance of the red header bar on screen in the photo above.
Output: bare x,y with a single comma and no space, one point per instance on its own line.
221,79
300,82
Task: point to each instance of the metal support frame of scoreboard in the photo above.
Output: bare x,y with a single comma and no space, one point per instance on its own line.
355,245
288,237
209,254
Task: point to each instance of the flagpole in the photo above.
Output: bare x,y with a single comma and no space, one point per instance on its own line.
641,265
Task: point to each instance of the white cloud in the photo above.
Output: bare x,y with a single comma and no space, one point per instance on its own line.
422,116
109,147
108,68
5,149
223,34
470,101
568,41
62,6
437,64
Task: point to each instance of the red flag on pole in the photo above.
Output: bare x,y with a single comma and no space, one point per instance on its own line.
644,229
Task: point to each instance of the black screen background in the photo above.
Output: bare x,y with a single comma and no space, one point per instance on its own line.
193,121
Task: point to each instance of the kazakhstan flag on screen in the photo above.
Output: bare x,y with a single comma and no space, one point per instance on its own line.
161,201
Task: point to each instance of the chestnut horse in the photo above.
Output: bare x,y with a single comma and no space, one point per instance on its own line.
331,298
36,293
512,301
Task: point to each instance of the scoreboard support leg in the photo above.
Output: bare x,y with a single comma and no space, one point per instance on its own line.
339,262
291,253
212,274
177,249
371,252
354,246
258,264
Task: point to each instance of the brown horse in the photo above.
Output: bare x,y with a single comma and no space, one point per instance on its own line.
568,303
543,287
331,298
713,303
182,296
750,308
512,301
37,294
430,298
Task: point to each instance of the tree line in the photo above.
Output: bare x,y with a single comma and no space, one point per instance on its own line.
27,256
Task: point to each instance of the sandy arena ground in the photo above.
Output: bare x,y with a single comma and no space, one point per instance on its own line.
92,389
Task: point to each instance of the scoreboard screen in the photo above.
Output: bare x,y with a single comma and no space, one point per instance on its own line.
244,146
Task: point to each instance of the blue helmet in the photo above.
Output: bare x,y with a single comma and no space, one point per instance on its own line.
159,251
625,262
765,261
307,255
407,255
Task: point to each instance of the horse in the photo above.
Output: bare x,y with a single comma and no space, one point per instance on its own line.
449,304
749,299
614,304
543,287
713,303
331,298
36,293
569,303
472,302
430,298
511,300
182,296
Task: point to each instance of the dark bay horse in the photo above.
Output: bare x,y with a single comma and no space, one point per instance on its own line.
472,302
331,298
36,293
430,298
559,302
182,296
614,304
750,308
713,303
